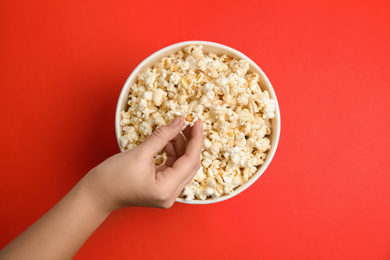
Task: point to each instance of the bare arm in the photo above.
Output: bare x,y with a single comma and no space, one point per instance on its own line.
60,232
123,180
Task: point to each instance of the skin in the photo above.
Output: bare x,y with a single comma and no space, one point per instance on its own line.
126,179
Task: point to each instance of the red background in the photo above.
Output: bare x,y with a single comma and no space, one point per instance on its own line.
326,194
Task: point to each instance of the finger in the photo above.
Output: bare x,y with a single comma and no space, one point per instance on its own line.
171,154
185,182
174,149
170,149
170,161
179,143
160,137
176,187
187,132
186,166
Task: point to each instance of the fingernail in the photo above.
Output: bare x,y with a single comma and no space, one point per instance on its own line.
176,121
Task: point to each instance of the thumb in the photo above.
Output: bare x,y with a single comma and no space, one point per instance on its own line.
160,137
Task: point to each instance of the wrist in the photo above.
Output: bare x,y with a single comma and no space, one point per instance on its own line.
94,192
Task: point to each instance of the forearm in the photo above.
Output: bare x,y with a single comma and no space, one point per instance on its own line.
61,231
125,179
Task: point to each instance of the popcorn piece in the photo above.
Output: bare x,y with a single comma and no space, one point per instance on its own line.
149,78
206,143
242,99
189,118
124,141
160,159
148,95
206,162
200,175
215,148
132,135
158,119
145,128
221,91
175,78
158,95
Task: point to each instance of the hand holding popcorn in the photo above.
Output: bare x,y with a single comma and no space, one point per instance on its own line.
131,178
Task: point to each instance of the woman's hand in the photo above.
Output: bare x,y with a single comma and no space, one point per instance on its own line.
131,179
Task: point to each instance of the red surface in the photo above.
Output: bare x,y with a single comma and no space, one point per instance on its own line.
326,195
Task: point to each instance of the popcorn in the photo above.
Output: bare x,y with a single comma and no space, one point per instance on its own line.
149,78
145,129
132,135
175,78
148,95
220,90
215,148
123,140
158,119
158,95
242,99
206,143
206,162
189,118
160,159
